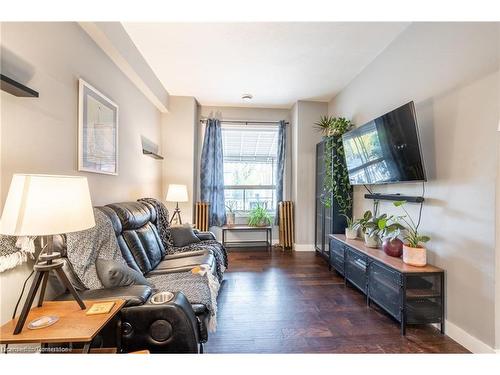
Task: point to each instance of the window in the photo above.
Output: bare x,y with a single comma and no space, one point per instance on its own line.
250,166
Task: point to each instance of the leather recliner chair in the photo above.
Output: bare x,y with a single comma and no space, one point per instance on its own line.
174,327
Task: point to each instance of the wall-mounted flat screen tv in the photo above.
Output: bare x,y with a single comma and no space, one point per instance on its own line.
385,150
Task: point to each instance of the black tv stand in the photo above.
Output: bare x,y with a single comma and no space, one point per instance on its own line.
394,197
411,295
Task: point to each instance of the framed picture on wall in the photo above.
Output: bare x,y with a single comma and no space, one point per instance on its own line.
97,131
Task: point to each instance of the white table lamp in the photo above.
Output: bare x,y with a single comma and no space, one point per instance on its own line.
177,193
43,205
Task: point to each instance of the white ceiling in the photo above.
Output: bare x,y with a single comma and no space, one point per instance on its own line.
278,63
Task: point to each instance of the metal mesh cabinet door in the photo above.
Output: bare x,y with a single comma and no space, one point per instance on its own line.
384,288
356,269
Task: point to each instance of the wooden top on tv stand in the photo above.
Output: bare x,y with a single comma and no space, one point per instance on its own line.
378,254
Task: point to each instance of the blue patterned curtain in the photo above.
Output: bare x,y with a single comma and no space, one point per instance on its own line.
212,172
280,168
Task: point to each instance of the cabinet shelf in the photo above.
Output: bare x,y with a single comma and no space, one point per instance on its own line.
421,293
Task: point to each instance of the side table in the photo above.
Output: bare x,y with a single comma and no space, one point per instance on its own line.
246,228
73,326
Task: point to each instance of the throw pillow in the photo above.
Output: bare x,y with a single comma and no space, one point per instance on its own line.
114,274
183,235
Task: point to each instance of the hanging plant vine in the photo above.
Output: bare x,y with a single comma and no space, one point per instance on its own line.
336,184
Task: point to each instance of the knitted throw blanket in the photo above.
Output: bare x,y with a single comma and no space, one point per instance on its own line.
162,222
84,247
217,249
15,251
198,289
163,227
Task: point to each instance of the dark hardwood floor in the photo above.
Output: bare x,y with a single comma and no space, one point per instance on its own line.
275,302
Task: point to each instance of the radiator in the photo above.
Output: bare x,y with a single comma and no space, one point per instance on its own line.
201,218
286,224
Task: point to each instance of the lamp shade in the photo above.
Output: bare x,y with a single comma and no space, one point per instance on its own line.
177,193
40,205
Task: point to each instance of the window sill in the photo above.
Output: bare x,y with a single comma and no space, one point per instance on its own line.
246,214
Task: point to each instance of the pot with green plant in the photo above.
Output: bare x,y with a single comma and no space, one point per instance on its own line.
351,231
390,231
259,216
414,252
230,214
369,227
336,186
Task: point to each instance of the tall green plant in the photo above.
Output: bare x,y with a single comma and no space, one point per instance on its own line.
336,184
412,237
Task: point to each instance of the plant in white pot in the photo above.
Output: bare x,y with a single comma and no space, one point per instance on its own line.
351,231
414,252
369,226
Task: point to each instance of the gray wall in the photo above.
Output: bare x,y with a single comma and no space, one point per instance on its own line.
179,145
40,135
304,139
451,72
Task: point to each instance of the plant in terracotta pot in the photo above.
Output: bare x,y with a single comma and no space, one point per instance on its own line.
230,214
414,252
259,216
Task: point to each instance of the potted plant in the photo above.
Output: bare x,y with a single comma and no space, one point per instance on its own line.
330,126
351,231
259,217
414,253
390,230
336,186
230,215
369,227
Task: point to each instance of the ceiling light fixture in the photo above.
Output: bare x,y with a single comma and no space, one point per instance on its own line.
247,97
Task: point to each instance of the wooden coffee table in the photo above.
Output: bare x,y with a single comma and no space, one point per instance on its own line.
73,326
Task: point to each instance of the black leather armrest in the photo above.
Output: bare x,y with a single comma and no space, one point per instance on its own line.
204,236
135,295
166,328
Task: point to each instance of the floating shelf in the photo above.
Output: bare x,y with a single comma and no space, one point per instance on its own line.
152,154
394,197
15,88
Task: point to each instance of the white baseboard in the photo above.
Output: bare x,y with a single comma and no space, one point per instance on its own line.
303,247
467,340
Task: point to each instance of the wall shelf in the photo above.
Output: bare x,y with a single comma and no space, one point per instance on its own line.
394,197
152,154
15,88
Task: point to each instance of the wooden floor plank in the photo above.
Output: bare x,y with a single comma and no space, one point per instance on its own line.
284,302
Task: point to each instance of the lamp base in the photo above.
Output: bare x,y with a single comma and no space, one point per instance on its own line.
177,214
42,270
